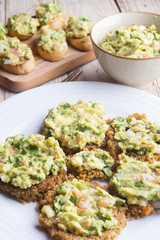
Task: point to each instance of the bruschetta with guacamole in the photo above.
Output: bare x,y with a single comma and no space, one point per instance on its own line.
3,30
82,210
51,44
22,26
78,33
53,15
16,57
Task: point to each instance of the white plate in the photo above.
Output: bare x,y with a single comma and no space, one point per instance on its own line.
25,112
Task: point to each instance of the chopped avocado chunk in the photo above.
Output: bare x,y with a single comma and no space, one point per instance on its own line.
48,211
97,159
108,172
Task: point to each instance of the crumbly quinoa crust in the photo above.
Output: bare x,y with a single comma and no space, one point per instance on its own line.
133,211
89,147
82,173
50,224
36,192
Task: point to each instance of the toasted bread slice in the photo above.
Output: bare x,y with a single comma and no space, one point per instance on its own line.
83,44
13,33
54,55
22,67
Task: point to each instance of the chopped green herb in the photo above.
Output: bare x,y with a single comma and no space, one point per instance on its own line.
73,199
139,184
18,161
81,127
106,217
104,156
66,105
85,155
35,177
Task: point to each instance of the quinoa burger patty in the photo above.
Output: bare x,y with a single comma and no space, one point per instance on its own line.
135,136
139,183
91,164
76,125
29,166
82,210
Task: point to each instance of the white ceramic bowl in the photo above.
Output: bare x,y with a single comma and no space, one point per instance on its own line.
135,72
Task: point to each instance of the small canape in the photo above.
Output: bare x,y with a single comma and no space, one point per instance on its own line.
78,33
53,15
15,56
52,45
22,26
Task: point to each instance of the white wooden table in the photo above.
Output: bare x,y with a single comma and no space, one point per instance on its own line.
93,9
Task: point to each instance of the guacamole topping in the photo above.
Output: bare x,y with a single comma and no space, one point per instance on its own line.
3,30
83,210
46,12
13,51
24,24
79,27
50,39
138,182
138,135
134,41
76,125
27,161
97,159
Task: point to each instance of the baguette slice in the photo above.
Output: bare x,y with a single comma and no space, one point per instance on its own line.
22,67
12,33
54,55
83,44
21,19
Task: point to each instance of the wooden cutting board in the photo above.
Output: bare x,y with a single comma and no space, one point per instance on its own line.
44,70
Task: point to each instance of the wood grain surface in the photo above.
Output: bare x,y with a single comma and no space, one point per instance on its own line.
44,70
93,9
